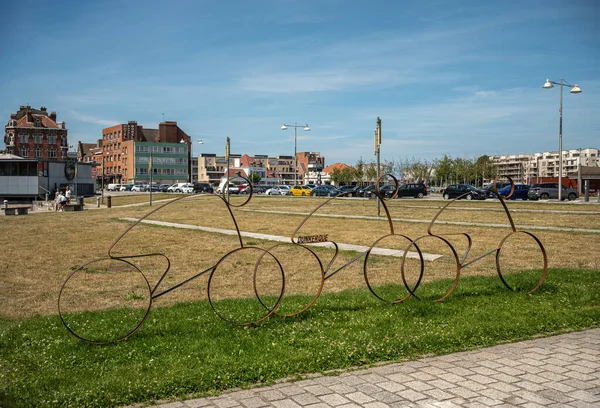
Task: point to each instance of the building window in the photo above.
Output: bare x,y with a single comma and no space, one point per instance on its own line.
37,139
51,140
23,139
24,151
52,153
38,152
38,123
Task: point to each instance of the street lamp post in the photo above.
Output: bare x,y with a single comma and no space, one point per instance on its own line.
190,143
103,172
377,151
295,126
574,90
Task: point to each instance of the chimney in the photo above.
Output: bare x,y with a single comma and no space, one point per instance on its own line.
43,109
53,116
28,113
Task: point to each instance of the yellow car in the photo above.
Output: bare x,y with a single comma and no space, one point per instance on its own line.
300,191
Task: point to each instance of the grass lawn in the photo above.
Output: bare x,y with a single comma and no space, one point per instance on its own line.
184,351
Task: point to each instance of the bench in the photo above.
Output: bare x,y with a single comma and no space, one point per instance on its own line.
73,207
17,209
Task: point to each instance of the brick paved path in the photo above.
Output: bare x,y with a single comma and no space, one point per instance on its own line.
559,371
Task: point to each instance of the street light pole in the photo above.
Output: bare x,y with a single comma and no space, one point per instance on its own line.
190,143
574,90
377,148
295,126
102,192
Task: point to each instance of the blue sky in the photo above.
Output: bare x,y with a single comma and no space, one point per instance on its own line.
462,78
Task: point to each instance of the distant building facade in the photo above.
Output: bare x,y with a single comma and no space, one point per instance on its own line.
525,168
124,156
270,169
35,134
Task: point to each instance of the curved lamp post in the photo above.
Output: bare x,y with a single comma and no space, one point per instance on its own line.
295,126
574,90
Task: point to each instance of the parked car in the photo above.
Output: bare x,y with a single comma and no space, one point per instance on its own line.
255,190
416,190
126,187
113,187
164,188
351,191
387,191
187,188
488,188
300,191
202,188
278,190
368,191
138,188
311,186
325,191
465,191
520,191
544,191
176,188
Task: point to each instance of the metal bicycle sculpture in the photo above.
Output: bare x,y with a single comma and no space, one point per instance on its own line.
303,242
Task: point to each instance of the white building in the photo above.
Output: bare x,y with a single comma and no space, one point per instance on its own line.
525,168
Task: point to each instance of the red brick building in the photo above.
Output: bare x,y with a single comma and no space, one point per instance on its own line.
118,144
33,133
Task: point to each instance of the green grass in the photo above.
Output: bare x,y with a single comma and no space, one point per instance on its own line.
186,351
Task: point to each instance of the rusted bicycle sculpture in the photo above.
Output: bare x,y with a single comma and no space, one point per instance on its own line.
95,270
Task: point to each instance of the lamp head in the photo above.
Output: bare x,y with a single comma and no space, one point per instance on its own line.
575,89
200,141
283,127
548,84
182,141
306,128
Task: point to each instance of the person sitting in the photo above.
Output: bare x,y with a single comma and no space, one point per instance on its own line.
62,201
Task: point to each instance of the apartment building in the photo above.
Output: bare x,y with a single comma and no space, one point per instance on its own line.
126,150
271,169
525,168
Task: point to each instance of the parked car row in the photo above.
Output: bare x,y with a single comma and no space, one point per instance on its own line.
539,191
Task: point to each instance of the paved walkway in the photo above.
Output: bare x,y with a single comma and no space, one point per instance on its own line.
280,238
414,220
559,371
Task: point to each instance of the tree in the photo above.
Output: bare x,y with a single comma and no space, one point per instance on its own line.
255,178
359,170
371,172
419,170
343,176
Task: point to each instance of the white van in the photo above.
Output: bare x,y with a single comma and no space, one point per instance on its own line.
113,187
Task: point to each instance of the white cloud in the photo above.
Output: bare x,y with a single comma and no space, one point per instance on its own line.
92,119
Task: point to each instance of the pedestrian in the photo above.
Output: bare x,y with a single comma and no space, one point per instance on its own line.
68,195
56,200
62,201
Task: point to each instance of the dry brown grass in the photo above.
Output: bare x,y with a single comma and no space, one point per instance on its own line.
40,250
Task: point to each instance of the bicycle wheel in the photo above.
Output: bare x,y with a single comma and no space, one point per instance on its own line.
384,274
304,278
237,295
442,263
105,301
520,258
